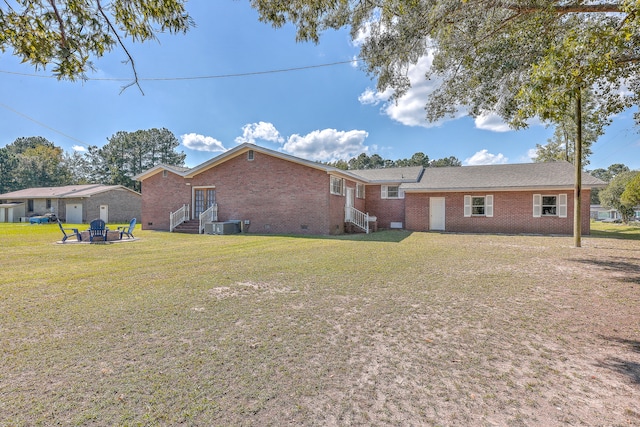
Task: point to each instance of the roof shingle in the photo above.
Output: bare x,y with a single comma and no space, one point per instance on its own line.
505,177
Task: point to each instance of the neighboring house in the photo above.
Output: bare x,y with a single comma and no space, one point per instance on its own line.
273,192
74,204
600,213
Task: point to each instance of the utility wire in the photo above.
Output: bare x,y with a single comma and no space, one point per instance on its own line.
220,76
44,125
215,76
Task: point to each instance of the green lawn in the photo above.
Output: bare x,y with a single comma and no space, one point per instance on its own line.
391,328
619,231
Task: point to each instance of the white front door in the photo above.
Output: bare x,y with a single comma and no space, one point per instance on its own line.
74,213
348,204
104,213
436,213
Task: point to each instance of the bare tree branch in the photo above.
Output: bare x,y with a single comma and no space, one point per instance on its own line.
135,81
569,8
63,35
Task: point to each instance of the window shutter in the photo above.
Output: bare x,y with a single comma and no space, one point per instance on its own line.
400,193
562,205
384,192
537,205
488,205
467,206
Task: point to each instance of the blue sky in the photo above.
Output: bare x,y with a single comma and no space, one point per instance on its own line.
320,113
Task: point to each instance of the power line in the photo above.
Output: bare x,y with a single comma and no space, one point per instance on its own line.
214,76
219,76
44,125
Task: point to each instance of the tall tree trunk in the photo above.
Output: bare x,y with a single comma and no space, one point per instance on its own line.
577,192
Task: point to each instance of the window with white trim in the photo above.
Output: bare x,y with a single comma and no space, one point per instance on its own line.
250,155
360,191
337,186
391,192
550,205
478,206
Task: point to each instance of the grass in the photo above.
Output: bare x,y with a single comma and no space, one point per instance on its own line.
613,230
388,328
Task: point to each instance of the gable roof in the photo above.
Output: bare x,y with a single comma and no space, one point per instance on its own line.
238,150
390,175
178,170
501,177
521,176
64,192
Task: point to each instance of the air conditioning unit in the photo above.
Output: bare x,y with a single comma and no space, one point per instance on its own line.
226,227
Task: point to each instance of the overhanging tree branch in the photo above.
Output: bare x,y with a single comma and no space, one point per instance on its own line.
569,8
133,65
63,35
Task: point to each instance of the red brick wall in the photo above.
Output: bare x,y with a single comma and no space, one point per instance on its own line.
387,210
160,197
512,213
275,195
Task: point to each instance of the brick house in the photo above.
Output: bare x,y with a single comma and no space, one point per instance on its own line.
532,198
273,192
74,204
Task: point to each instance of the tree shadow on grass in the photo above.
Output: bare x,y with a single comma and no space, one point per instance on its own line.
634,345
621,366
391,236
624,367
629,267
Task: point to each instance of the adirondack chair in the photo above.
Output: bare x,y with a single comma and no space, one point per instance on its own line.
69,232
127,230
97,228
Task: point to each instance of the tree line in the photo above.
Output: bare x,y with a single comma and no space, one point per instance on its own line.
375,161
37,162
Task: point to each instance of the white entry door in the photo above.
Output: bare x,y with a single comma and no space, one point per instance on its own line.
104,213
436,213
348,204
74,213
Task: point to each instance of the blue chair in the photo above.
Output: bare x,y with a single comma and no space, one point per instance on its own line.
127,230
74,232
97,228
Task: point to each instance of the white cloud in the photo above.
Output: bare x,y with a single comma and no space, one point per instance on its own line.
79,148
327,144
529,156
492,122
409,109
371,97
483,157
197,142
261,130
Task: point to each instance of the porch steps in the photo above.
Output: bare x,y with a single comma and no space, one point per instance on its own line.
188,227
351,228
